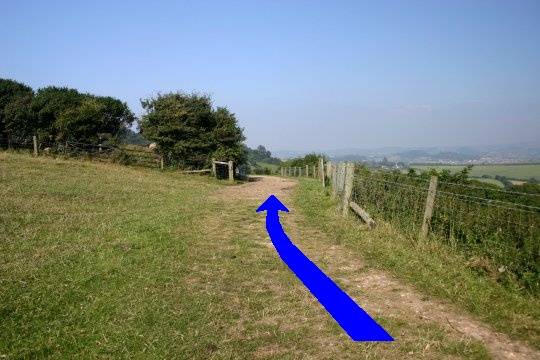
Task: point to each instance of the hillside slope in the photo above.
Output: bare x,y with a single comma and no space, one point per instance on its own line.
100,260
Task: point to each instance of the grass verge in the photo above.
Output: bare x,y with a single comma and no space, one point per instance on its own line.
432,267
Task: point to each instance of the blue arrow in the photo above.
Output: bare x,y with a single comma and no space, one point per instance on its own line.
351,317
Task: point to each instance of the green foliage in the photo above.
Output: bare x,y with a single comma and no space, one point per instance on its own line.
511,171
261,155
228,137
60,114
64,114
128,136
189,132
49,104
435,267
309,159
15,100
261,162
498,227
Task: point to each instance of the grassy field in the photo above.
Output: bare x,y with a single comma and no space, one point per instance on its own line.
101,261
517,171
91,257
431,266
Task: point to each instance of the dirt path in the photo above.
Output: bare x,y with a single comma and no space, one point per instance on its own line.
377,292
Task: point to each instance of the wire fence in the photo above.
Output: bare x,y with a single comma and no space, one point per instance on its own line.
123,154
497,228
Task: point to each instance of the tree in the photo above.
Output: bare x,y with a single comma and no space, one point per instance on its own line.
261,154
15,100
48,105
64,114
228,137
189,132
93,118
115,117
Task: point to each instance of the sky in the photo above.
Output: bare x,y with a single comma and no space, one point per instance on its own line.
300,75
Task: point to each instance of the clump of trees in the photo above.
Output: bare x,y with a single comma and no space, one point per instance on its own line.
259,160
60,114
190,131
261,155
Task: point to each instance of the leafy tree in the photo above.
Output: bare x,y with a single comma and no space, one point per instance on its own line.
15,100
48,105
93,118
19,118
64,114
260,154
189,132
228,137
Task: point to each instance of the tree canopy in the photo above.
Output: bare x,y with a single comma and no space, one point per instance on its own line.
59,114
261,154
189,131
15,101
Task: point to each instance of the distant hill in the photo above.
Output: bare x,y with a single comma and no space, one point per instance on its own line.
492,154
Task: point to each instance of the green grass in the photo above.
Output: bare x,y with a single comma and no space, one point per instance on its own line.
433,267
515,171
491,181
272,167
104,261
91,257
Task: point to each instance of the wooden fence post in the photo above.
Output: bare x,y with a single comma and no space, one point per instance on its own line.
321,170
307,170
430,202
334,181
34,139
214,167
161,162
231,171
328,171
347,191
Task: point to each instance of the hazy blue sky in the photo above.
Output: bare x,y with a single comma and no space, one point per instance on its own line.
300,74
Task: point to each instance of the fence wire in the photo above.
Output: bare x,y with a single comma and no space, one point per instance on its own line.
106,152
500,226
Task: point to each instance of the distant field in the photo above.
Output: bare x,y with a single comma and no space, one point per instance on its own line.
272,167
518,171
491,181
